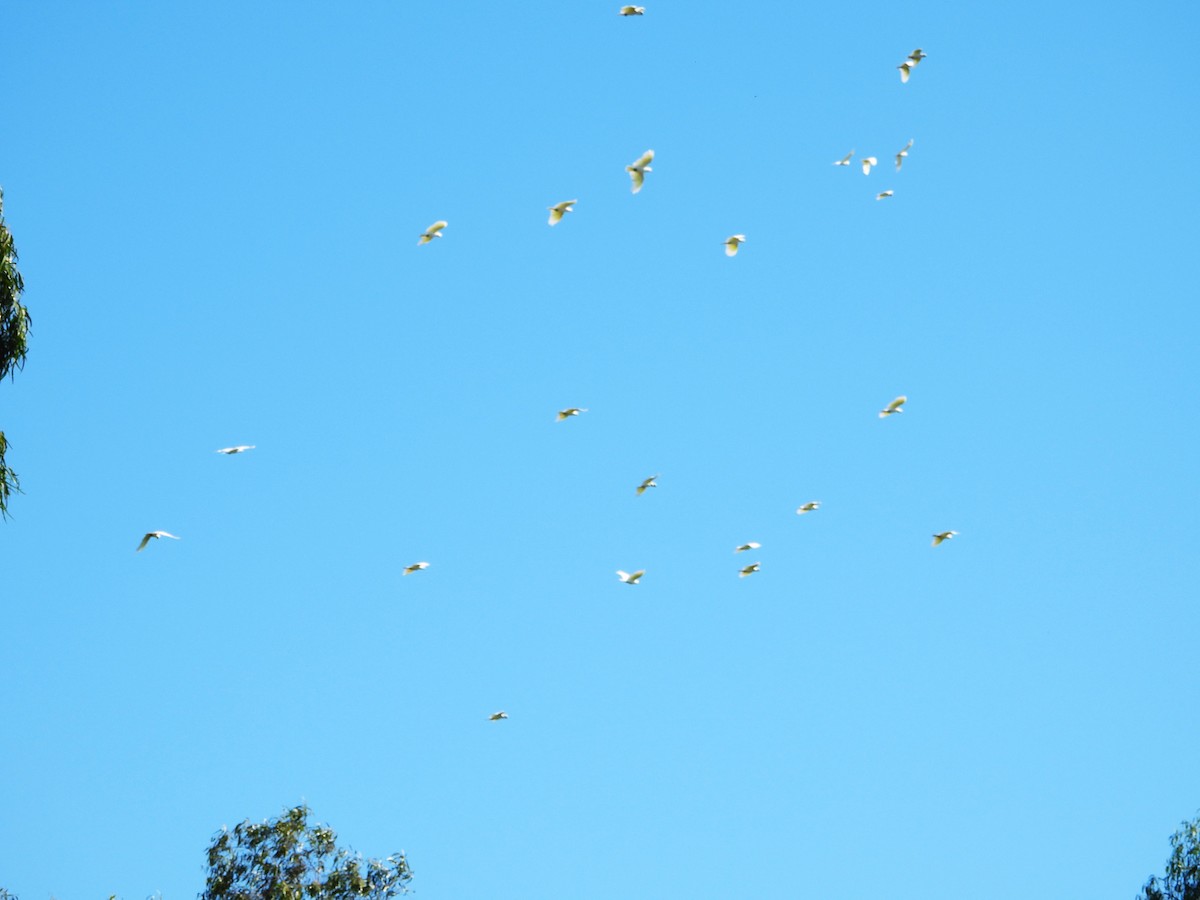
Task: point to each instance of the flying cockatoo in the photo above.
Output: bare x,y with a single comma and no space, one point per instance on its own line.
242,448
415,567
942,536
154,535
903,153
845,160
626,578
893,407
633,10
867,162
914,60
749,570
882,195
568,412
637,171
434,230
650,482
732,242
810,506
497,716
557,210
749,545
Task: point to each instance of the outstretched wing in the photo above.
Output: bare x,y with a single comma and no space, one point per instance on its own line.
644,160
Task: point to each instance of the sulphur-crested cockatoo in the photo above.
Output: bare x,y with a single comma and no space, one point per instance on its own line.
154,535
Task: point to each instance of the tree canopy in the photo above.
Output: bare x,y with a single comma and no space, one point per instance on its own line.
289,859
1182,881
14,335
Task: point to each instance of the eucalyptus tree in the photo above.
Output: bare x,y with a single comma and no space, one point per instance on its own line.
289,859
14,334
1182,880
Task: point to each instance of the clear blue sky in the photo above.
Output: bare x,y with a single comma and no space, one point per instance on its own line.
217,207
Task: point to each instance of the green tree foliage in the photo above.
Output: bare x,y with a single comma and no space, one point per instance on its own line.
289,859
1182,881
14,334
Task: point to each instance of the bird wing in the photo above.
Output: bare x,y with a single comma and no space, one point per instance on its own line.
637,178
556,215
641,489
166,534
904,68
731,247
845,160
897,403
436,226
636,575
644,160
145,541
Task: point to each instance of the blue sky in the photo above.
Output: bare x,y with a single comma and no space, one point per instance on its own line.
217,209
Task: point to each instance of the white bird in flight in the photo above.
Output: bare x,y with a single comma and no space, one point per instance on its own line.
732,242
845,160
637,171
433,231
154,535
749,545
633,10
568,412
867,162
942,536
650,482
557,210
749,570
883,195
902,154
893,407
810,506
626,578
242,448
415,567
914,60
497,716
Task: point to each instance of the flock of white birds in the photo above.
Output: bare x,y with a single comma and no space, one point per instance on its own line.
637,174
